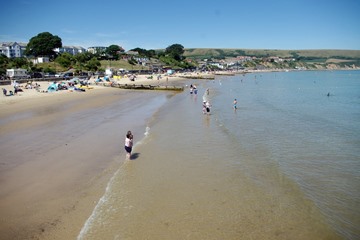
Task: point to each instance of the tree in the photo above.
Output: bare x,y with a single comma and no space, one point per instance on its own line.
113,51
19,63
65,60
175,51
83,57
144,53
81,60
93,64
4,61
43,44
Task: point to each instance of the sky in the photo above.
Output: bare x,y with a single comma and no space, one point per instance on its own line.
157,24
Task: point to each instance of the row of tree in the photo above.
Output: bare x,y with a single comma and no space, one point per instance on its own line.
44,44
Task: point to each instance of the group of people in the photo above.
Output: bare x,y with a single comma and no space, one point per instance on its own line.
12,93
193,89
30,85
129,138
206,104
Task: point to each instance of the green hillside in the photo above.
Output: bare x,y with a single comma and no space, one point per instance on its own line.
197,53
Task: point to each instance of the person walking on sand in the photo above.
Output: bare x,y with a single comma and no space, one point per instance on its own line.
128,144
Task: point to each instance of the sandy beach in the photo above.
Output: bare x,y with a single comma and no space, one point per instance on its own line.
49,186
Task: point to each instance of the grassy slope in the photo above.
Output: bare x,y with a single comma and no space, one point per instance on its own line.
104,64
198,52
121,64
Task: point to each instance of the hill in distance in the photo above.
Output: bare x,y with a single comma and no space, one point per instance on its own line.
197,53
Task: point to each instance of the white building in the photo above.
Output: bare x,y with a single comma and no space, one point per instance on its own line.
12,49
41,60
96,49
18,73
73,50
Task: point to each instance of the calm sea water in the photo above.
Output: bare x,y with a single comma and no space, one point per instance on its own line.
284,165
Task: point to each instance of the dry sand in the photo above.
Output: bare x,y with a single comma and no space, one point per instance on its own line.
45,196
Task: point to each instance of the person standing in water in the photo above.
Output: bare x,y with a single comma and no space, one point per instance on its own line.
204,107
128,144
235,104
207,106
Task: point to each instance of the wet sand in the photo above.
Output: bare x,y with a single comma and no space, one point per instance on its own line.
56,157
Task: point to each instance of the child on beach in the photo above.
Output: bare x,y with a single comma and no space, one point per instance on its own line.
235,102
128,144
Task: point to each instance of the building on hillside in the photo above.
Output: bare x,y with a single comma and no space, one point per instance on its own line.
274,59
41,60
243,58
96,49
12,49
73,50
132,53
217,64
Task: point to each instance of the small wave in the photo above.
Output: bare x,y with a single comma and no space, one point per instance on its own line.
147,131
96,212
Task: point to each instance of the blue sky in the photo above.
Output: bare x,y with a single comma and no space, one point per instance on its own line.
154,24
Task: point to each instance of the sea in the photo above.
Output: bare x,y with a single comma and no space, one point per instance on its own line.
284,165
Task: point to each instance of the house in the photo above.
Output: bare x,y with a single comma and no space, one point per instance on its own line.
73,50
217,64
40,60
243,58
12,49
96,49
